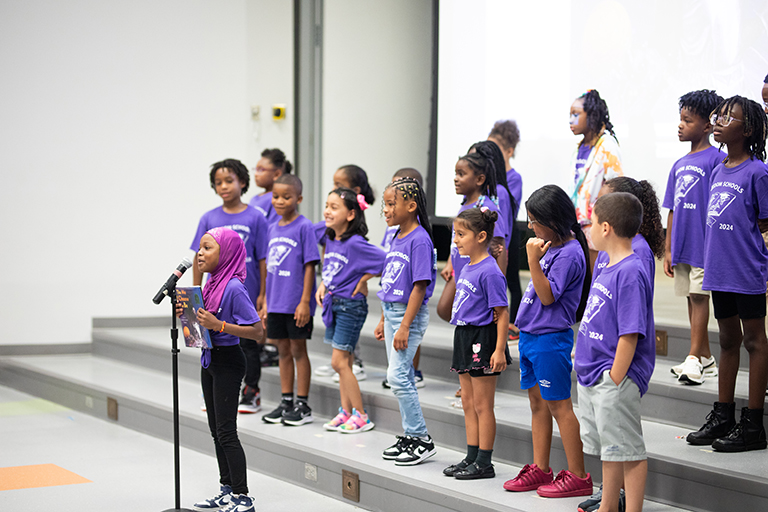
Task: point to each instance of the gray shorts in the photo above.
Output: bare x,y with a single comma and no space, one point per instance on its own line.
610,420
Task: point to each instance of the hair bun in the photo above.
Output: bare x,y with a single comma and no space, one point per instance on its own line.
490,215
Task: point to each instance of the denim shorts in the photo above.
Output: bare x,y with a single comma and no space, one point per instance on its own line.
348,318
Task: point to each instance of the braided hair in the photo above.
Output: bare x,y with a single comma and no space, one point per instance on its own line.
755,124
410,190
278,159
597,112
237,167
357,226
358,178
553,208
650,228
479,220
494,151
701,103
481,163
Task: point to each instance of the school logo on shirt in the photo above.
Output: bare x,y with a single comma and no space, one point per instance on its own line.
684,185
277,254
594,305
391,274
461,297
330,269
718,203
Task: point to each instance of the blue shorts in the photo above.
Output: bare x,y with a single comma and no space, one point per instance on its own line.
545,359
348,318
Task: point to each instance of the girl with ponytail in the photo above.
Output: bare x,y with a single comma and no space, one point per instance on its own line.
553,301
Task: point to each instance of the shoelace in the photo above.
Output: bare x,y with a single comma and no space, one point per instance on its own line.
711,420
560,478
525,472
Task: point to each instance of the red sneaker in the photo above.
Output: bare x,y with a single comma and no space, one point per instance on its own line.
567,485
529,478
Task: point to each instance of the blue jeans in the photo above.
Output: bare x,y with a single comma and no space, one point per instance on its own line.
348,318
400,370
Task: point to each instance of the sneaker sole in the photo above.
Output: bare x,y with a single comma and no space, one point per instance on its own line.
417,461
738,449
364,428
565,494
272,420
331,428
297,423
687,379
526,488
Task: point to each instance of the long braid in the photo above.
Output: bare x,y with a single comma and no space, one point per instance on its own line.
483,165
597,112
412,191
491,150
754,123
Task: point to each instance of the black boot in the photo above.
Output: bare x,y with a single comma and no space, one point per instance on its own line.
748,434
719,422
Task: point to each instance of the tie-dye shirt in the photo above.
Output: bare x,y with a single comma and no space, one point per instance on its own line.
603,163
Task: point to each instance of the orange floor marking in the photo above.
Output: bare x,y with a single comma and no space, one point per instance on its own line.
39,475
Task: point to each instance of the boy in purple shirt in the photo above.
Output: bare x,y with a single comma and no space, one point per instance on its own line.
291,303
614,357
686,196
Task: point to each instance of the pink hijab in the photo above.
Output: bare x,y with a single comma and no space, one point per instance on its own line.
231,265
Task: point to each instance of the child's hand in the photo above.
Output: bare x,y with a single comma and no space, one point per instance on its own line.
179,309
261,301
495,316
301,315
208,320
668,270
536,248
496,248
378,332
319,294
446,273
498,361
361,287
401,339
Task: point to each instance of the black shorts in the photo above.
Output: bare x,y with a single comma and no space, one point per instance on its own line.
728,304
282,326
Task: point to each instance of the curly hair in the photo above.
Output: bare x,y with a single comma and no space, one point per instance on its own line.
597,112
755,124
650,228
277,157
702,103
506,132
237,167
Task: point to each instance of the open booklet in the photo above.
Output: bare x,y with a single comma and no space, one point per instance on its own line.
191,299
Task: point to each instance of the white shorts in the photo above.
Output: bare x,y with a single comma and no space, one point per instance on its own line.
688,280
610,420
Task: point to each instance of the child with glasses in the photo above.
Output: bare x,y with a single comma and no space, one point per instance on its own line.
271,166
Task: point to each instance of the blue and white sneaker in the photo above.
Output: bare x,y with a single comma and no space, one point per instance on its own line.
220,500
240,503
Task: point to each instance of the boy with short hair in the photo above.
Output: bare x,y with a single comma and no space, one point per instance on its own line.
686,198
291,260
614,357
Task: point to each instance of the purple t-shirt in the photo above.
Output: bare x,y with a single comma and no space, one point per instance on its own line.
565,268
735,257
410,259
290,248
505,206
252,228
639,247
515,184
618,304
263,203
389,234
687,194
499,230
320,228
346,262
582,155
480,288
235,308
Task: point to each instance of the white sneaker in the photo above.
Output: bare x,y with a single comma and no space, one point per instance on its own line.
324,371
710,366
692,371
358,370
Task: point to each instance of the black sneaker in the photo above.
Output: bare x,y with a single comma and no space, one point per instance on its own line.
385,385
269,356
276,416
417,451
250,401
396,449
299,415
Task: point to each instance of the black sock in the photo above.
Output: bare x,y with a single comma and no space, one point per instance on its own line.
288,398
483,458
302,399
471,453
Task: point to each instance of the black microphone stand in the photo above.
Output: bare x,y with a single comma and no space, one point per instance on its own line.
175,359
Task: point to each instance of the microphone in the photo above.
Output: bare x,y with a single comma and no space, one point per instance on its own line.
171,282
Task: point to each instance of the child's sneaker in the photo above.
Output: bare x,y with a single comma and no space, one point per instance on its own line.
419,378
356,423
394,451
593,500
324,371
338,421
595,506
530,477
241,503
276,416
220,500
692,372
250,402
417,451
710,366
301,414
566,485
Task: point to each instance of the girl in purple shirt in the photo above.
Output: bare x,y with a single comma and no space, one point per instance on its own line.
271,166
553,301
349,262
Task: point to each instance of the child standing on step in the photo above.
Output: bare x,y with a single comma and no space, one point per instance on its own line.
349,262
291,303
406,286
735,264
229,316
480,350
271,166
553,301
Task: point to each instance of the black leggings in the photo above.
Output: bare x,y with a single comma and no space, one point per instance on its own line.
513,273
252,351
221,390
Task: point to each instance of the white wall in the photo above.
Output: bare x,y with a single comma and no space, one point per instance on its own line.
111,114
376,91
